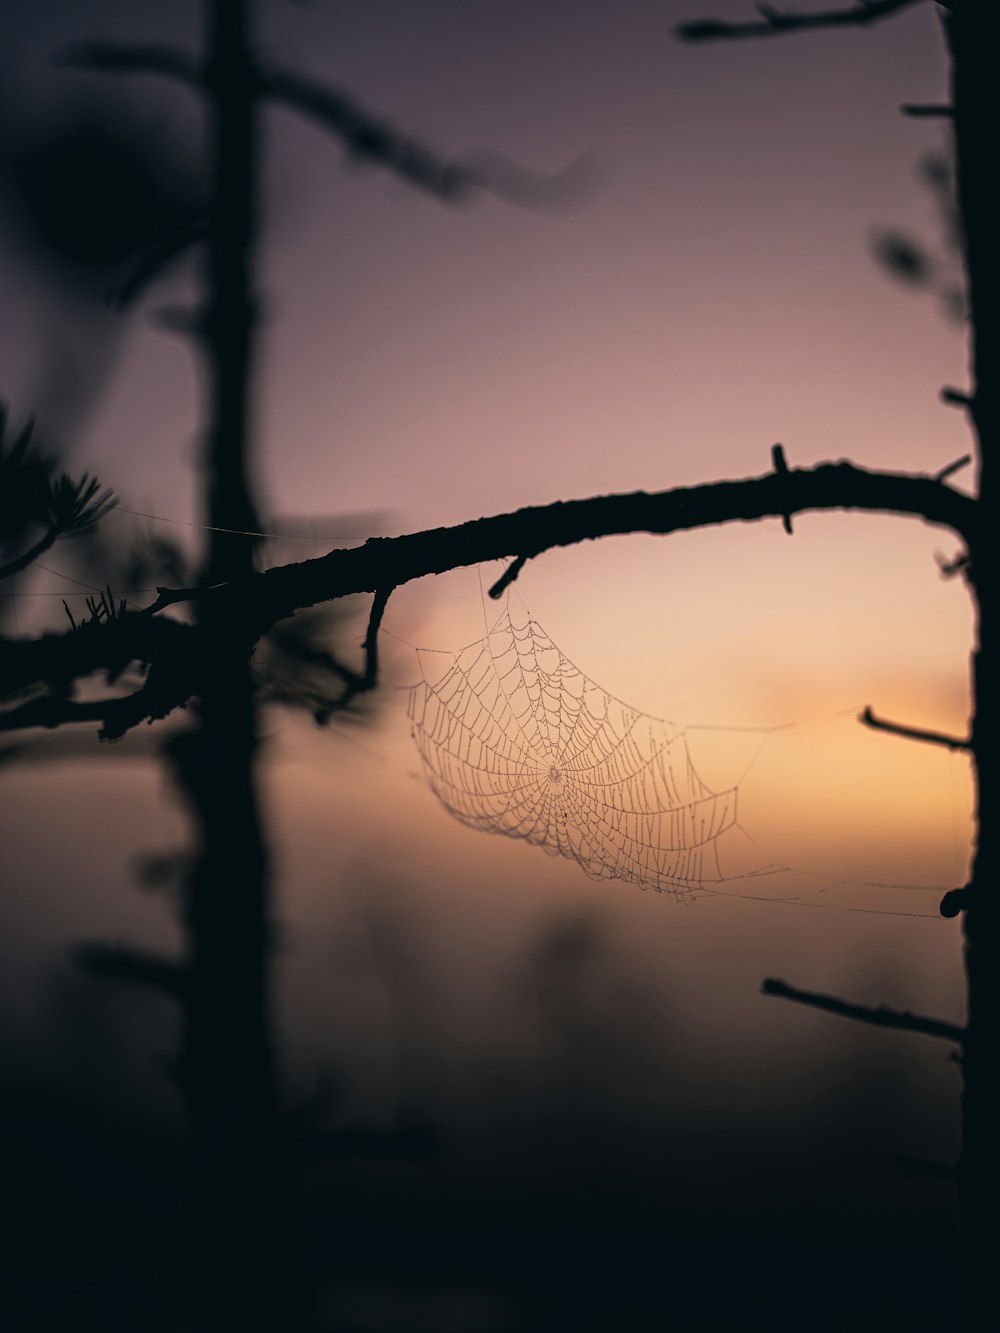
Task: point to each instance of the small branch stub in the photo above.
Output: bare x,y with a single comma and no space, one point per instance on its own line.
954,902
781,468
955,397
925,111
507,577
868,719
861,1013
952,468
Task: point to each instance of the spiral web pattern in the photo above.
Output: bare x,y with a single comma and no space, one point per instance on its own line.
514,739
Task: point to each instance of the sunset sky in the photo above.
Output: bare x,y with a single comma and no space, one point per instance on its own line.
712,291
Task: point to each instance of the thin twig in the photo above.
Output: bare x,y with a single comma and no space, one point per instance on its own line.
774,21
881,1017
138,967
952,468
869,719
507,577
381,600
921,110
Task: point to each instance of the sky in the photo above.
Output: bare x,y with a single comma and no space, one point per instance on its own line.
712,291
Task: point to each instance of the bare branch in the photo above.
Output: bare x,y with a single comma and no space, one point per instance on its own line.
27,557
880,1017
507,577
116,715
955,397
781,468
952,468
126,58
138,967
382,562
922,111
367,136
775,21
869,719
248,607
363,134
379,604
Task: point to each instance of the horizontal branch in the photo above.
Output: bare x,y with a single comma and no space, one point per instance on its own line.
927,110
774,21
869,719
393,561
363,134
247,609
880,1017
131,58
136,967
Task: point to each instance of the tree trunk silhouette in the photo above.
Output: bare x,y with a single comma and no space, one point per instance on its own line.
974,36
247,1231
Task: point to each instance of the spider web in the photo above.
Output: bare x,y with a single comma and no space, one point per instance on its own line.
514,739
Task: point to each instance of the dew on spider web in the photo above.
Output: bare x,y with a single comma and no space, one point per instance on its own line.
514,739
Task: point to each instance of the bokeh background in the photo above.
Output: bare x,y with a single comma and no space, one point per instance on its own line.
603,1123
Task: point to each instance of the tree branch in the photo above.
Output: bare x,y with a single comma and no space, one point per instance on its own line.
363,134
774,21
507,577
129,58
379,604
248,607
880,1017
383,562
138,967
31,554
927,110
869,719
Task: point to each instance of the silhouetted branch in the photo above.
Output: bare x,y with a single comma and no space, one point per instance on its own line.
116,715
137,967
781,469
880,1017
246,608
363,134
128,58
379,604
869,719
949,568
367,136
300,645
922,111
395,561
507,577
775,21
954,901
27,557
59,657
952,468
955,397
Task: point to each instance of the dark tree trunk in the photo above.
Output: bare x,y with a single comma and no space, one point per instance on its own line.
974,35
247,1230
